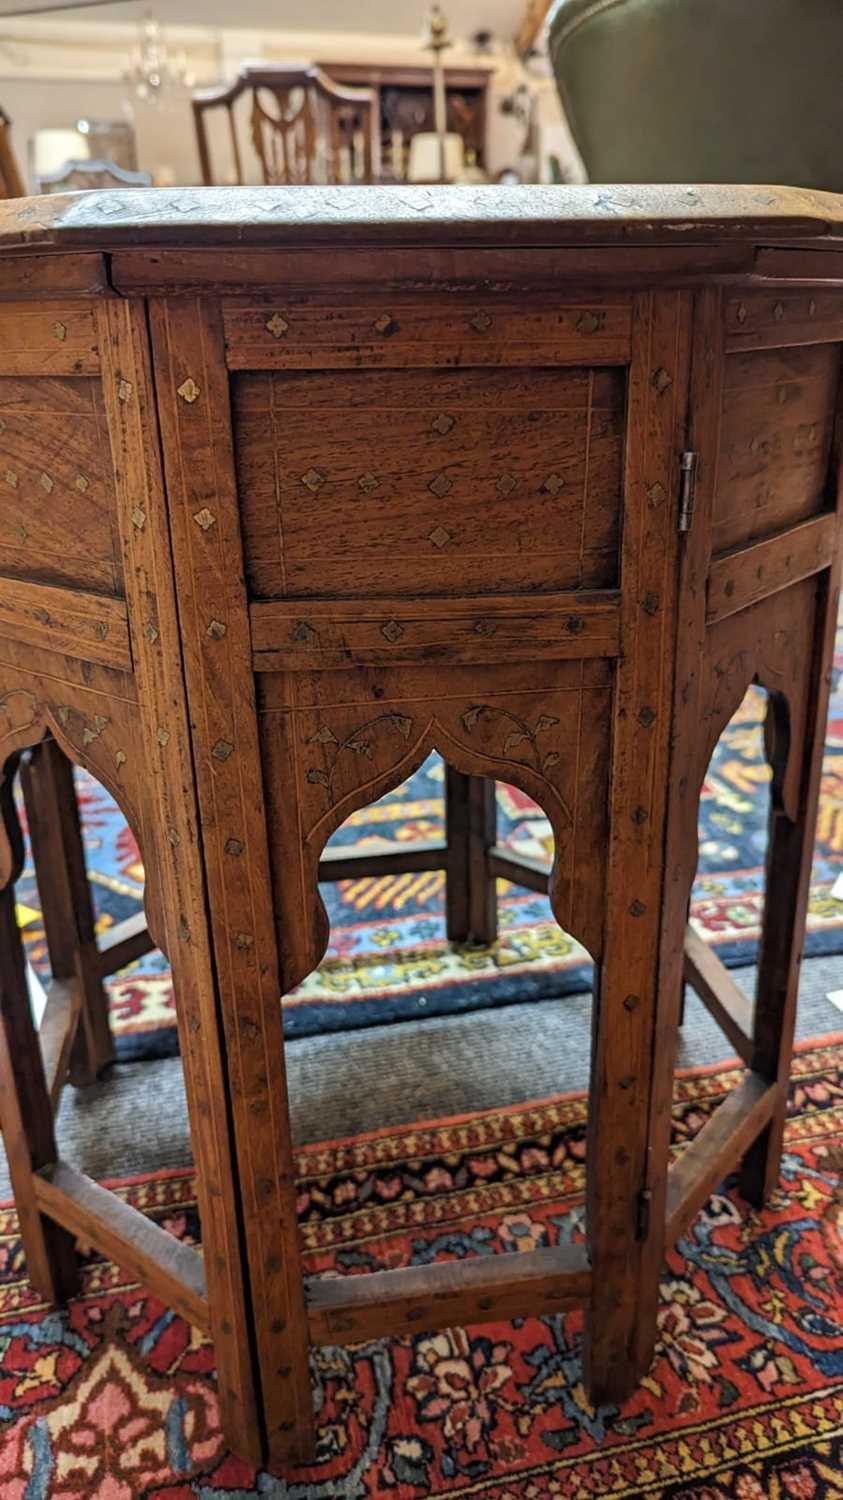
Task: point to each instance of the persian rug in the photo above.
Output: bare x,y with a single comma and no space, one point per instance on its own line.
115,1399
388,959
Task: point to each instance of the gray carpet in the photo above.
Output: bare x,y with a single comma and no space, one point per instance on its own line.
135,1121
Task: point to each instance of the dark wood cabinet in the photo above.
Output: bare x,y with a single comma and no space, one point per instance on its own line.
405,106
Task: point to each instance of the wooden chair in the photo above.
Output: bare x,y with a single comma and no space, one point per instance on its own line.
302,126
85,173
11,181
243,430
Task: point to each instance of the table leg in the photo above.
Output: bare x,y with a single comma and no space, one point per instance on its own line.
26,1116
470,889
789,858
59,857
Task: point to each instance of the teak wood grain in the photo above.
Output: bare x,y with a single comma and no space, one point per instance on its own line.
299,485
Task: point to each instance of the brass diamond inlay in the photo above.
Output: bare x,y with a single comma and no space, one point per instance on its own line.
124,390
506,484
21,534
440,486
778,312
234,847
189,390
59,332
481,322
163,736
386,325
741,313
216,630
222,749
46,483
205,518
553,484
151,633
392,630
138,518
277,326
304,632
83,483
485,627
661,380
314,480
11,478
588,322
440,537
443,423
368,482
656,495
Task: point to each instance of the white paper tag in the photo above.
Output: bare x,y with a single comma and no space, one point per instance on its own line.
837,888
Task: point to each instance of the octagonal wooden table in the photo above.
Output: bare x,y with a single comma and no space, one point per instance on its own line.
298,485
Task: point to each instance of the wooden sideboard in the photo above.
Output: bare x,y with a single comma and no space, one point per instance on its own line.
297,485
404,105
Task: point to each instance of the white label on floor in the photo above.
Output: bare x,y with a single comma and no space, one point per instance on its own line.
836,998
837,888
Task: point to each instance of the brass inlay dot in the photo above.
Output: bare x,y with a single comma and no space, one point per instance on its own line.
367,483
138,518
314,480
216,630
588,322
506,484
481,322
59,332
205,518
124,390
443,423
440,486
277,326
440,537
46,483
83,483
392,630
11,478
189,390
222,749
553,484
661,380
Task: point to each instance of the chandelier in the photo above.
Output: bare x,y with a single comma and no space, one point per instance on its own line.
152,70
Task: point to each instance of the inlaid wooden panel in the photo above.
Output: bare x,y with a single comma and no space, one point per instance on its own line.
57,495
54,338
775,441
775,319
359,483
333,741
398,331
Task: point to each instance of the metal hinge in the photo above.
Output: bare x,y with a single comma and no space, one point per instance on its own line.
687,488
642,1214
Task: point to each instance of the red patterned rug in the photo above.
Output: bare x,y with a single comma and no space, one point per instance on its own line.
115,1400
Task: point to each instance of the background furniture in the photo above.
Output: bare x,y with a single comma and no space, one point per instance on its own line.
301,125
702,90
75,175
11,182
404,107
667,433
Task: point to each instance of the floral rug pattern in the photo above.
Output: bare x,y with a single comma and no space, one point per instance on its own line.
115,1399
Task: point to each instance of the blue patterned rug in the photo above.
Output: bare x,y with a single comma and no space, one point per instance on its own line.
388,958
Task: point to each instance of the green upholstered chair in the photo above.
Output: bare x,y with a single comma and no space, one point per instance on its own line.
703,90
